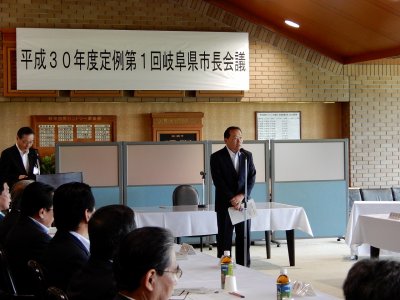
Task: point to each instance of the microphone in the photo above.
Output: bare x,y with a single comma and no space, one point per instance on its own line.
203,175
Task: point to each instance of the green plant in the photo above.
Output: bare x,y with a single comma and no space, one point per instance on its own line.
48,164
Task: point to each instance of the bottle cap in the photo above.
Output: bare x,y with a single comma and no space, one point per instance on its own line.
284,271
227,253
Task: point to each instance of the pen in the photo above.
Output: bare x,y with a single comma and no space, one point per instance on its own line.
236,294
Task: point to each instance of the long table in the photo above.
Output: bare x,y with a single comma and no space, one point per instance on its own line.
378,231
366,208
201,278
189,220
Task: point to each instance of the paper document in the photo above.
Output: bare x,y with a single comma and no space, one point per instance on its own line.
237,216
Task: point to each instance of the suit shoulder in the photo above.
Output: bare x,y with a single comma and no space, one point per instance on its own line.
247,152
9,150
221,151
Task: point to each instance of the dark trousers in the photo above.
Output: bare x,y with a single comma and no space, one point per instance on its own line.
224,237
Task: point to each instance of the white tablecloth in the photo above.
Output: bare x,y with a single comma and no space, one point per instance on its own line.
203,271
366,208
379,231
278,216
185,220
188,220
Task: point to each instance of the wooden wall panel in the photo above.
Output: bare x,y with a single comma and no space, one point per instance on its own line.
319,120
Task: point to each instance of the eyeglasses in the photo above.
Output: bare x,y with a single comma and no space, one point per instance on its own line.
26,142
177,272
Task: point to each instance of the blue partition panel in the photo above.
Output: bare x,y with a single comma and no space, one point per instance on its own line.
154,195
106,196
324,202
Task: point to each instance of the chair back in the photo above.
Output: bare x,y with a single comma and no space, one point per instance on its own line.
54,293
384,194
39,282
6,280
185,195
55,180
354,195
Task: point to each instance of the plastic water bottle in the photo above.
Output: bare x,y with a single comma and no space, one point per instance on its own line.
226,267
283,287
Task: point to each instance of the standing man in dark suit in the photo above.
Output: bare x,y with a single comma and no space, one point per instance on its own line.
228,174
20,161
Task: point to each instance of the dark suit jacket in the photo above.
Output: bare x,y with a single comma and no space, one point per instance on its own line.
95,281
65,256
7,223
120,297
11,165
227,182
26,241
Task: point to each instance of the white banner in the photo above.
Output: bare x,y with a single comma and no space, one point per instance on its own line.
88,59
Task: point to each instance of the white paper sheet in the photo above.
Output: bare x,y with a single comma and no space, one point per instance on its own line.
238,216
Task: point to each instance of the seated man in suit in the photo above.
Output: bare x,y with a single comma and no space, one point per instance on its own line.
13,215
5,199
372,279
68,251
29,237
145,266
20,161
107,227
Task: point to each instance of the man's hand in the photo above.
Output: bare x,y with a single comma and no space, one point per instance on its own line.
237,201
22,177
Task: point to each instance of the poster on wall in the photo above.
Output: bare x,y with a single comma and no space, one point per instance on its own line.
90,59
278,125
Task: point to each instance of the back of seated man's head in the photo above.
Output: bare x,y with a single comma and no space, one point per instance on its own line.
17,191
72,202
142,250
37,202
373,280
107,227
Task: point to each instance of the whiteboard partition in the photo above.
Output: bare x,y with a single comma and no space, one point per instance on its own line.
99,163
162,164
308,160
259,156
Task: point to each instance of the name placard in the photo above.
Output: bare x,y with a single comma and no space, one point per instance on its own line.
394,216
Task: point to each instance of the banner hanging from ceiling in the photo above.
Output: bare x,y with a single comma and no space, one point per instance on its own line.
89,59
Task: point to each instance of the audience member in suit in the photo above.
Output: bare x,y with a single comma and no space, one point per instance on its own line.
228,174
145,266
5,199
20,161
68,251
29,237
107,227
12,216
373,280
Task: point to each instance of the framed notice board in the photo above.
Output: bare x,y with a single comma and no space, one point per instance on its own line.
278,125
50,129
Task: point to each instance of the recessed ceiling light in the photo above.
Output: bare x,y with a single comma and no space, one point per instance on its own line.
292,24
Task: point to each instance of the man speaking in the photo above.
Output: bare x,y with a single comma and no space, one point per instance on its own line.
20,161
228,174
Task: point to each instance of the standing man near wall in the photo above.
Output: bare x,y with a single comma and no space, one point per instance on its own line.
20,161
228,174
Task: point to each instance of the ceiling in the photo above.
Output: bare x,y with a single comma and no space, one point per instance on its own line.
348,31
